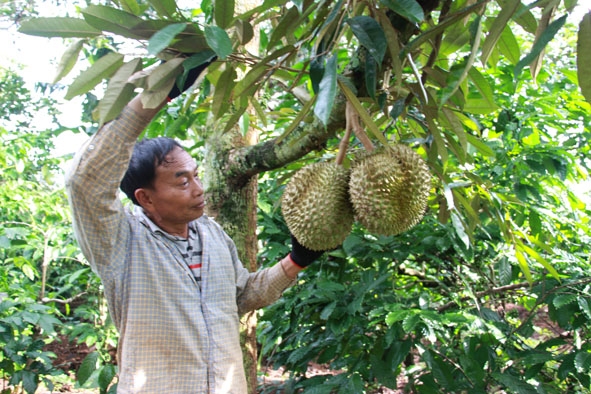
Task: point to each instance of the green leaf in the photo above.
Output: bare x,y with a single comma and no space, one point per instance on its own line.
58,27
409,9
106,375
119,91
161,75
584,56
221,97
509,46
480,146
47,323
583,362
112,20
101,69
370,35
487,102
285,27
328,310
198,59
219,41
244,30
514,384
371,76
564,299
536,256
522,261
585,305
497,28
160,82
162,38
87,367
248,85
524,17
327,91
130,6
223,12
165,8
460,229
539,45
442,26
30,381
68,60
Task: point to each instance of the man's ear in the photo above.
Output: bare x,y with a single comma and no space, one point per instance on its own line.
143,197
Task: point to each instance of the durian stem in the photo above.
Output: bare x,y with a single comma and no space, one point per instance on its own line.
344,144
353,120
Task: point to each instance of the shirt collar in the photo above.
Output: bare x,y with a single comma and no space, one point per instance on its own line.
153,227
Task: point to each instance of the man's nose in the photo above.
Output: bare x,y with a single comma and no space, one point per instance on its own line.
197,186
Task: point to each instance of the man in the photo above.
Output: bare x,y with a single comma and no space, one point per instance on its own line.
172,277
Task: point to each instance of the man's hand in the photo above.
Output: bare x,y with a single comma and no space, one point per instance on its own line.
190,79
301,255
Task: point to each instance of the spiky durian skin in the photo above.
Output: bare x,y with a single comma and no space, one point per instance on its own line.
389,189
316,206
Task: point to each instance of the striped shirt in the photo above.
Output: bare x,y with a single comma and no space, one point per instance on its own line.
178,318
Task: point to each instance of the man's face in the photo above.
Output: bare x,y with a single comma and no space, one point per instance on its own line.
176,197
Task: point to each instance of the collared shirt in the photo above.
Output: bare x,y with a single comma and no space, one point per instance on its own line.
177,334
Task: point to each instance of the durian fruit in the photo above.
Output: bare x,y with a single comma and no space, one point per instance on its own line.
316,206
389,188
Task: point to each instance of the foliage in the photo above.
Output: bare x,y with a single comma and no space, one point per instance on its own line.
42,279
438,309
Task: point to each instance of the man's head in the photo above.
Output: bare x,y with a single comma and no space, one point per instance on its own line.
147,155
162,179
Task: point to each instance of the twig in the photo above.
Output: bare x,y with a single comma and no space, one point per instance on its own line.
46,300
353,120
483,293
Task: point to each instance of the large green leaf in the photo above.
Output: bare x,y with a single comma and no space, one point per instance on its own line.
285,27
536,63
584,56
112,20
509,46
101,69
450,20
223,12
165,8
147,28
370,35
161,75
68,60
119,91
247,85
540,44
393,44
162,38
486,103
327,91
87,367
58,27
222,94
497,28
524,16
410,9
130,6
219,41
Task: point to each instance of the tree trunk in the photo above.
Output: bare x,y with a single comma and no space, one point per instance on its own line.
234,206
